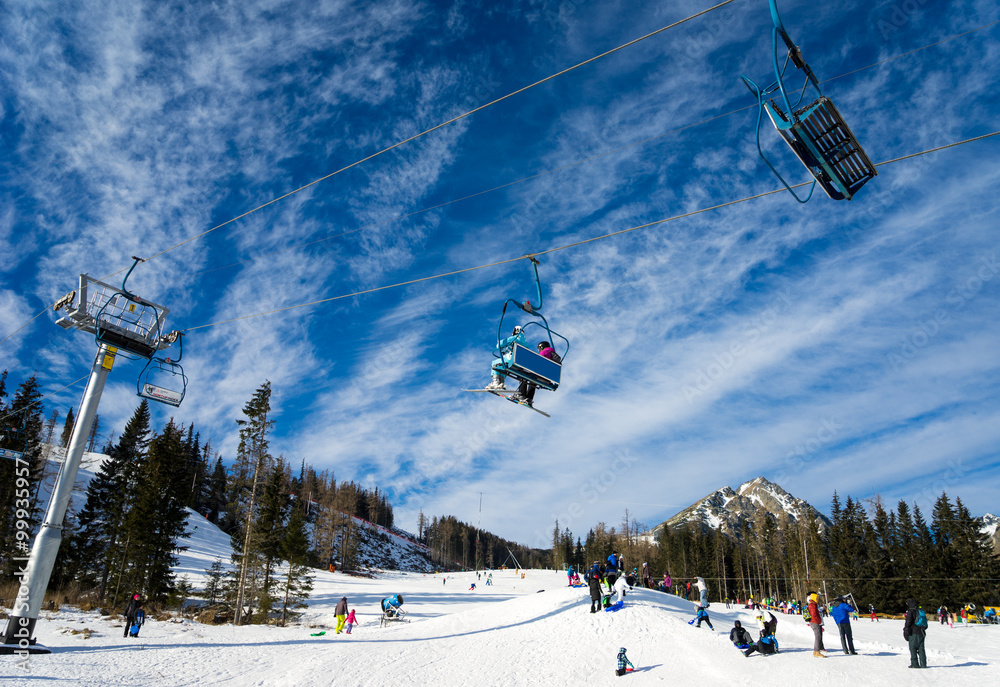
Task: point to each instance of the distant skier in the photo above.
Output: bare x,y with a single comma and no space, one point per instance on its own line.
624,665
134,605
472,587
871,610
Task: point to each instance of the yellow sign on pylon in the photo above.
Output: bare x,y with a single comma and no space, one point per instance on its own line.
109,358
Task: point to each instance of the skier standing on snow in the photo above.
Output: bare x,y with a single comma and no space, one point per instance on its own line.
842,616
341,612
816,624
915,633
133,605
871,609
594,579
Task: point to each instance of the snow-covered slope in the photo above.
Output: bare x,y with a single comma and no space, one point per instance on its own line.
511,633
991,528
726,509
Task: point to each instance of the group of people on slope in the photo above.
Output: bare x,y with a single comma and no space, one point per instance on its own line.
609,574
346,620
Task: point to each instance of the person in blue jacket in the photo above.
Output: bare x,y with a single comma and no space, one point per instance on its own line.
611,571
506,355
841,611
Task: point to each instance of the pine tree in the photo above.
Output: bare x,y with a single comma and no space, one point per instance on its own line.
251,459
295,547
67,432
20,430
95,433
156,522
213,583
216,498
100,544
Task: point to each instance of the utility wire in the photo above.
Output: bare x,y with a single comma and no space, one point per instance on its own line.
444,124
518,181
42,398
578,162
571,245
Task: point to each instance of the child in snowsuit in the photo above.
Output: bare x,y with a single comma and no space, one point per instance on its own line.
623,662
351,621
703,617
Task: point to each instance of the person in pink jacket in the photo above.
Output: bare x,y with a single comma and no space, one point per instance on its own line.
351,621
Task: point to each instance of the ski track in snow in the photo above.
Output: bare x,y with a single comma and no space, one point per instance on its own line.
505,634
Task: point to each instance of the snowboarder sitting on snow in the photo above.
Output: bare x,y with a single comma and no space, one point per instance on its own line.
525,394
623,662
506,354
739,636
134,604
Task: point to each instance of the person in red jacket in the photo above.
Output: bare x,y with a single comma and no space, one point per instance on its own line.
816,623
525,394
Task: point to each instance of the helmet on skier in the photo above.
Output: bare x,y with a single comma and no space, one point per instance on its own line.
544,344
517,329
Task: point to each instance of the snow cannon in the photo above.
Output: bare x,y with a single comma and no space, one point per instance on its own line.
392,609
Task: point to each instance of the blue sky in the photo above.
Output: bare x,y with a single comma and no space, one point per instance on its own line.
848,346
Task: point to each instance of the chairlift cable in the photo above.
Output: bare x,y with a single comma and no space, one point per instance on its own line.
42,398
535,176
572,164
443,124
569,245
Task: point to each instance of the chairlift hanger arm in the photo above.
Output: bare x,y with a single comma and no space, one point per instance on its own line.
128,274
527,306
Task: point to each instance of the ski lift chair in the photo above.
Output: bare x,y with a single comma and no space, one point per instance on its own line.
816,133
163,379
392,610
127,322
525,364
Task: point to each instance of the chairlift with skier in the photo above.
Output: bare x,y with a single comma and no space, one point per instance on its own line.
513,358
816,133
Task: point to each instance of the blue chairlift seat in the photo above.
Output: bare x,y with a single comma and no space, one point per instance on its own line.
529,366
825,144
128,324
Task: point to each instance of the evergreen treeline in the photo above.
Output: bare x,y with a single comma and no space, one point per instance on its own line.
883,557
455,544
